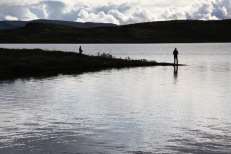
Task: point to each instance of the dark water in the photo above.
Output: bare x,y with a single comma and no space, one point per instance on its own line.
138,110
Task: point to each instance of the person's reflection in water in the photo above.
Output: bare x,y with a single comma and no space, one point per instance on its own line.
175,73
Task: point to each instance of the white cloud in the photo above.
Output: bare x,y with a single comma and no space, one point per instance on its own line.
11,18
18,2
19,12
85,16
118,12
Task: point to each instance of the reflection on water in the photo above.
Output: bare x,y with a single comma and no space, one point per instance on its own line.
175,72
138,110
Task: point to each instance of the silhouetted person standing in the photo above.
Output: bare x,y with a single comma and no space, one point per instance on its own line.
175,53
80,50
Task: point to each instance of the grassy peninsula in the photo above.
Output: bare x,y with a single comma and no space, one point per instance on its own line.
15,63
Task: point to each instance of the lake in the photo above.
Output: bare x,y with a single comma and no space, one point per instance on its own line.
126,111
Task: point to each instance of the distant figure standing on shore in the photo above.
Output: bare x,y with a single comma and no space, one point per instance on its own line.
175,53
80,50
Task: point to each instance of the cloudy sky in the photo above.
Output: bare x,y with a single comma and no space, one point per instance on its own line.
114,11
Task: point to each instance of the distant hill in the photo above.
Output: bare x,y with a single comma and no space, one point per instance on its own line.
74,24
179,31
6,25
11,24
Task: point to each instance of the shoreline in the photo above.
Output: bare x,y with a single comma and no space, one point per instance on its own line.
24,63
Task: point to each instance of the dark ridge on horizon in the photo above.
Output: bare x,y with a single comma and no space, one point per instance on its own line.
172,31
10,24
7,25
180,20
73,23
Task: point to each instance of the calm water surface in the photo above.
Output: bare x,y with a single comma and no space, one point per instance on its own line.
138,110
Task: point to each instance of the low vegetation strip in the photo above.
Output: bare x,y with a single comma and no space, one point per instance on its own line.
15,63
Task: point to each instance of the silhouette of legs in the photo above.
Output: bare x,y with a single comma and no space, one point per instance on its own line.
175,60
